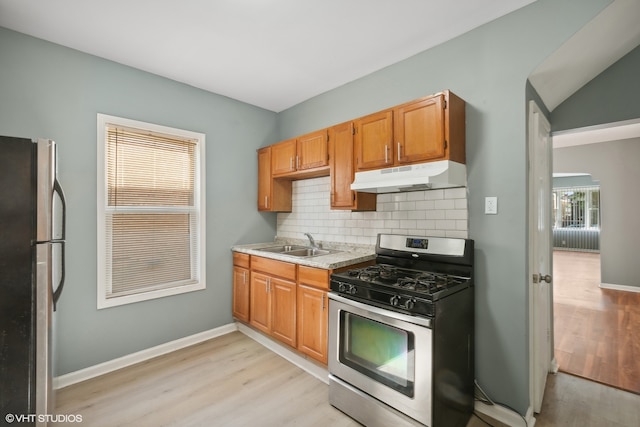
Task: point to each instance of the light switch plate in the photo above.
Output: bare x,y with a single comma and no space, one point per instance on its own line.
491,205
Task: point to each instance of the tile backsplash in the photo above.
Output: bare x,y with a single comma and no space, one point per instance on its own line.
440,213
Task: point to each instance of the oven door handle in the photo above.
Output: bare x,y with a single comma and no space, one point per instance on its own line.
422,321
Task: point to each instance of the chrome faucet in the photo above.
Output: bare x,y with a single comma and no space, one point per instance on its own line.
311,241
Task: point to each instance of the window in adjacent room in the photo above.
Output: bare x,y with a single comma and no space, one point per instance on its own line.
577,207
150,211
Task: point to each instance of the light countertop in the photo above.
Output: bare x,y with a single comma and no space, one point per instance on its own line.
348,254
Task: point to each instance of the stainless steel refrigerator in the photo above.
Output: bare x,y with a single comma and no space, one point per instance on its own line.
32,247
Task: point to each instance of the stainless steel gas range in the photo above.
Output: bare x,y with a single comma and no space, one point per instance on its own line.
401,334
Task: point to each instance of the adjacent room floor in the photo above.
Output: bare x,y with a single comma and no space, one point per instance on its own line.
597,331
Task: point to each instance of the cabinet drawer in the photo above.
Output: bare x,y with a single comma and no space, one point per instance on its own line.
241,260
276,268
316,277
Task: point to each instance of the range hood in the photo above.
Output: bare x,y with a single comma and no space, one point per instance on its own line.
423,176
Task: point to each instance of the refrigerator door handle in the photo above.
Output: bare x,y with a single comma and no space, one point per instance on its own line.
57,188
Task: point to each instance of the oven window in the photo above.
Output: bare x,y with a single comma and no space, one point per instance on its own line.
379,351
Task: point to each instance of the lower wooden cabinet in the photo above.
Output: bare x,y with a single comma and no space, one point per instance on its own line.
272,306
260,305
283,311
286,301
241,274
313,312
313,320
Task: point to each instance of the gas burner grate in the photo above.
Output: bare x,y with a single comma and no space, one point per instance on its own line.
424,282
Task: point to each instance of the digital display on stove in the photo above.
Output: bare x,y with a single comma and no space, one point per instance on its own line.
415,243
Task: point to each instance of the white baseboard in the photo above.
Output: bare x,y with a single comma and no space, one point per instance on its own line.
506,415
615,287
301,362
140,356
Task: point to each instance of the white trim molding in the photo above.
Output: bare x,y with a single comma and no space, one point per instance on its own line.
140,356
615,287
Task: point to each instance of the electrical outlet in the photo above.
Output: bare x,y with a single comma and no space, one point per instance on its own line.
491,205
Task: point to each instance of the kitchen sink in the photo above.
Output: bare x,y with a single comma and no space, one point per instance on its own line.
298,251
282,249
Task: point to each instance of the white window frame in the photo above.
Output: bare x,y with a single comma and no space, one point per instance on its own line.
103,252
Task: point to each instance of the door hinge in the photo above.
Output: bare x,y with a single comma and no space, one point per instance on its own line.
353,130
445,104
445,144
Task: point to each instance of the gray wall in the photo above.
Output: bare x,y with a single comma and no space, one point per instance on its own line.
610,97
615,165
488,67
54,92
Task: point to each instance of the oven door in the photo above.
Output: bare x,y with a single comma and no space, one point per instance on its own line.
385,354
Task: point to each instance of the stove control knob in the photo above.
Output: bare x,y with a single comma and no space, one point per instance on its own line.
395,300
410,304
342,287
352,289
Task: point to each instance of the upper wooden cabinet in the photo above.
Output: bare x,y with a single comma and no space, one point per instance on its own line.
341,150
374,140
313,150
300,155
419,130
273,195
283,157
427,129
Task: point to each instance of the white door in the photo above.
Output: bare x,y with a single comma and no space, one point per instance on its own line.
540,255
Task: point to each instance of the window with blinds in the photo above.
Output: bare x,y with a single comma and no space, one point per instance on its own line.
152,222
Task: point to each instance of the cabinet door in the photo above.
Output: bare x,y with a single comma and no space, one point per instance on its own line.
283,157
341,148
264,179
313,321
312,151
241,294
341,142
283,306
260,306
419,130
374,143
274,195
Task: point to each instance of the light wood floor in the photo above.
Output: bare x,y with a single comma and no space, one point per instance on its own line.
234,381
597,331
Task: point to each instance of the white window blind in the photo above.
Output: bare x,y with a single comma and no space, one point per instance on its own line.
152,214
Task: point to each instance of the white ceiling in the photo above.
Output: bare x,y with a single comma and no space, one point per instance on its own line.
269,53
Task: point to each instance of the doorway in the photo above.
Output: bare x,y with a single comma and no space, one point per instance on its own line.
597,325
